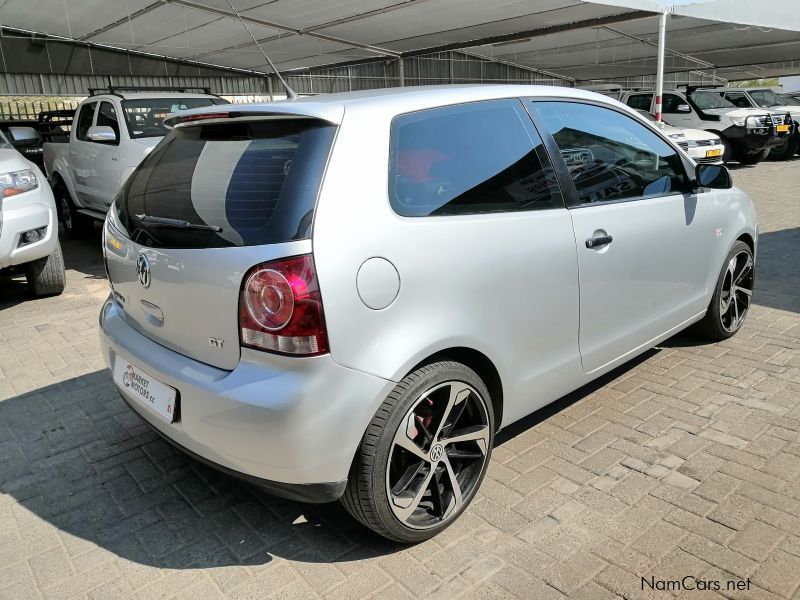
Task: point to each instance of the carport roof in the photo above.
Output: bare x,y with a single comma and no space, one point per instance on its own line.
580,40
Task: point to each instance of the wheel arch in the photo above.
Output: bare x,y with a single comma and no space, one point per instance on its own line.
747,239
57,178
481,364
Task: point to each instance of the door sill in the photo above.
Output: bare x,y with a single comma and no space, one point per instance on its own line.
94,214
646,346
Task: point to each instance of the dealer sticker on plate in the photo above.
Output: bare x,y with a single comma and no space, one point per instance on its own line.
140,386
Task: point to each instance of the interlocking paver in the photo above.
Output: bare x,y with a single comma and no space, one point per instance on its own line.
684,462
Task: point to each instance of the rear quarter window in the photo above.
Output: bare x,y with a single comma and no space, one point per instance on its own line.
256,182
474,158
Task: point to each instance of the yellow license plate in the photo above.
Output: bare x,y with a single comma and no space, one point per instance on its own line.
782,128
711,153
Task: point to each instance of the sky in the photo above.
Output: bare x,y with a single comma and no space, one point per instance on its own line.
790,84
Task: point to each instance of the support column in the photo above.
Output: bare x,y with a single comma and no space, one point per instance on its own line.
402,68
662,34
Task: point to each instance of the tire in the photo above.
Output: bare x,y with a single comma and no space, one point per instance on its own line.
75,224
422,400
787,150
727,153
46,276
717,324
752,159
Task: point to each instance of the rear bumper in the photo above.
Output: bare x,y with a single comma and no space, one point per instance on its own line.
290,425
21,214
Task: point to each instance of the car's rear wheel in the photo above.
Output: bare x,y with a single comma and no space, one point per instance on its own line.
732,295
46,276
424,454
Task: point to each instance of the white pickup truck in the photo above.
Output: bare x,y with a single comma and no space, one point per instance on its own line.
28,225
747,133
766,98
112,131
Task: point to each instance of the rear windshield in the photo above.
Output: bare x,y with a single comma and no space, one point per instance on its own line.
254,183
706,100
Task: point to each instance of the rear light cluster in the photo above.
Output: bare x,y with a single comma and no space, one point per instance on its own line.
280,308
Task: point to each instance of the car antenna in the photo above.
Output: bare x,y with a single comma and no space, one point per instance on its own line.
290,93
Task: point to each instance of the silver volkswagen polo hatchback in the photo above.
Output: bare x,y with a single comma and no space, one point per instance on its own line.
346,296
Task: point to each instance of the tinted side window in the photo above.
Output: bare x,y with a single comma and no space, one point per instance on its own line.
611,156
473,158
640,102
670,103
85,117
108,116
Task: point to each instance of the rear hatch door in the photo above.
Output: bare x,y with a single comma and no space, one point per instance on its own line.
210,202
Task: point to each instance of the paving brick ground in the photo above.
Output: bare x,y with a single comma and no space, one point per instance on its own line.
684,463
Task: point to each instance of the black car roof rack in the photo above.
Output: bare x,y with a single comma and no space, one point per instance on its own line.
115,90
692,88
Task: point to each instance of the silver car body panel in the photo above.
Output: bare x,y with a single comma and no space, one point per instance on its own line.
521,288
272,417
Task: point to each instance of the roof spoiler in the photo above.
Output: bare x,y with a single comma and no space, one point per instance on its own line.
216,117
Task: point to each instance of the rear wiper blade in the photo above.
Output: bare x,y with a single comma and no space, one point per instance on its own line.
176,223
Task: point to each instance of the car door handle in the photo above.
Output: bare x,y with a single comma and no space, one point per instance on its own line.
93,155
600,240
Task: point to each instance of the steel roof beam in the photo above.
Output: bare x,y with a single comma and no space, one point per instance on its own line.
518,66
121,21
272,25
538,32
667,50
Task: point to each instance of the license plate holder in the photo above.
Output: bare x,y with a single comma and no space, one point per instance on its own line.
146,390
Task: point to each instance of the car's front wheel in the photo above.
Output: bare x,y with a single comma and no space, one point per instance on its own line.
46,276
732,295
424,454
752,158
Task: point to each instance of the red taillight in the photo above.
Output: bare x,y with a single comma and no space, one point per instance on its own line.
280,308
204,116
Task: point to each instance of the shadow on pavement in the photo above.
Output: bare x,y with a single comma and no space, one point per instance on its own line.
777,283
74,455
83,258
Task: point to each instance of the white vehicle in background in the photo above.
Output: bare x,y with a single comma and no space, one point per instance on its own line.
766,98
747,133
111,133
28,224
702,146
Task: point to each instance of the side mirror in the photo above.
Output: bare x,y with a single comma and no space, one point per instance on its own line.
683,108
713,176
24,136
102,134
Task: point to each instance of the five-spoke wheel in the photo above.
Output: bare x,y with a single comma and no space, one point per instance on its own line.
437,455
424,454
737,290
732,294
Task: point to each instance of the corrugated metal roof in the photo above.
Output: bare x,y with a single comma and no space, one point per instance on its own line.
578,39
